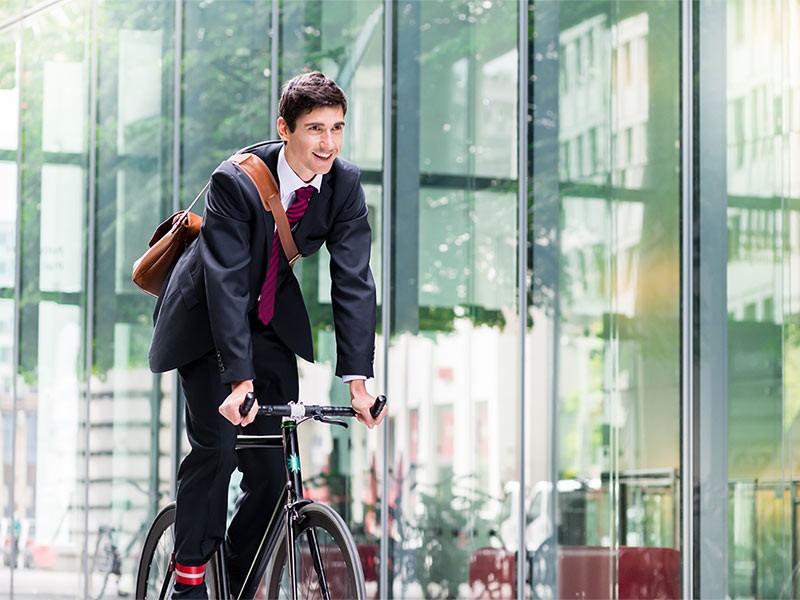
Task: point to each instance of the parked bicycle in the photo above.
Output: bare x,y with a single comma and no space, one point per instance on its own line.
307,551
106,560
109,559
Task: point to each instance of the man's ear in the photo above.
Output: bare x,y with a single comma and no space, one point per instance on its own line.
283,129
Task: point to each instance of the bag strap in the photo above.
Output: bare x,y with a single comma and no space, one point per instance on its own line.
182,217
262,178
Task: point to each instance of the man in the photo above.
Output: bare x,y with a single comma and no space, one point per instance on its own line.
231,319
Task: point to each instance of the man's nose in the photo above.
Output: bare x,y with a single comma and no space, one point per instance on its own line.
327,139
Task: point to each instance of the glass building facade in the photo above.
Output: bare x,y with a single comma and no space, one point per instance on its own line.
586,220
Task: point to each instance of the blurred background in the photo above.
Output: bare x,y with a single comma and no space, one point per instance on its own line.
586,239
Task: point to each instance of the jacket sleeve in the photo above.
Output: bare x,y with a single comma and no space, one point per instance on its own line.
226,253
352,286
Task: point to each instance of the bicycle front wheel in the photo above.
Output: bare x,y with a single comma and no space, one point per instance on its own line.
326,559
154,578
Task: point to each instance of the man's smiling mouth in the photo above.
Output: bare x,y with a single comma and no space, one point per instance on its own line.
323,156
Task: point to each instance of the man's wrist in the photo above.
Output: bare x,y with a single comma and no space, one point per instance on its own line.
358,387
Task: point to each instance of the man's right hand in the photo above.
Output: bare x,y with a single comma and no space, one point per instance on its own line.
230,407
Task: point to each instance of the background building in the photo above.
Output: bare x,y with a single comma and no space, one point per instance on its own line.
586,220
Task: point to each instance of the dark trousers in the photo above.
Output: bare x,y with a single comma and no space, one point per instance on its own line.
204,474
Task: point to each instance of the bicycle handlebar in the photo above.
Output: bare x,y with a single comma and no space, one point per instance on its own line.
295,410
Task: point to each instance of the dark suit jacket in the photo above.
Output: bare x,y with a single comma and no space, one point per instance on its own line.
205,302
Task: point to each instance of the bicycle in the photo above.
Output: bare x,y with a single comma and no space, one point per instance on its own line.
305,552
106,560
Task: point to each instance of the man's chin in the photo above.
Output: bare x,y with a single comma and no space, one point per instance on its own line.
323,167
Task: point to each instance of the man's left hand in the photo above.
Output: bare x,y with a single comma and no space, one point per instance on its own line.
361,401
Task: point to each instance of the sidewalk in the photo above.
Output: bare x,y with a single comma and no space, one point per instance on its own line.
47,585
33,583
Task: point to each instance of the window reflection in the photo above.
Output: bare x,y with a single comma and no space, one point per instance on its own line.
610,519
61,238
9,93
130,409
762,296
64,119
8,224
453,521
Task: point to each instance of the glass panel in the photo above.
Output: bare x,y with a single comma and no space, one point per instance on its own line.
50,458
763,186
344,40
61,235
226,83
8,224
9,124
10,9
606,299
455,335
130,410
9,92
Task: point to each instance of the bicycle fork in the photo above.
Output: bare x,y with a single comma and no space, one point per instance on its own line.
291,518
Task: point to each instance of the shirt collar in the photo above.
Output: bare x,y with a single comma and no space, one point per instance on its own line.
289,181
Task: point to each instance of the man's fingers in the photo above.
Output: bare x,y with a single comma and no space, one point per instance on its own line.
230,413
251,416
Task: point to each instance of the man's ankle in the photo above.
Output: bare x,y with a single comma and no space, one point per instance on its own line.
183,591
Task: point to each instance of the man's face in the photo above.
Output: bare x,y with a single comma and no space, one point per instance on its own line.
315,141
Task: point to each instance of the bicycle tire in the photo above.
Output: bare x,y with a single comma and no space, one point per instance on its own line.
154,579
339,555
154,563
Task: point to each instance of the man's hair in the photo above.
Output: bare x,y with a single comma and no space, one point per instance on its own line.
307,91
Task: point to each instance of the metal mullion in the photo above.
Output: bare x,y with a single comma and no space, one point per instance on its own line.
687,301
523,76
176,432
90,270
273,69
386,264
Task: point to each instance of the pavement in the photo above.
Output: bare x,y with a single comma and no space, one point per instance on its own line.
48,585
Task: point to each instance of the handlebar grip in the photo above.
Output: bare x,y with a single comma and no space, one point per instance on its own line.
377,407
245,406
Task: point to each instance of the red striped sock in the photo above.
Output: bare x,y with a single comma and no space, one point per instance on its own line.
189,575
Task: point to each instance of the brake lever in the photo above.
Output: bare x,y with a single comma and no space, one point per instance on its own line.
330,421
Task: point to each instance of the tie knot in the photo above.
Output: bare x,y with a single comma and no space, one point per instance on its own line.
304,193
298,207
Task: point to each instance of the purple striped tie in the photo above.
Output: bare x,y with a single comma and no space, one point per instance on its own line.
266,302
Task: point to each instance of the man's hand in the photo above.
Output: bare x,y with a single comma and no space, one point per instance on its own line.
362,401
230,407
